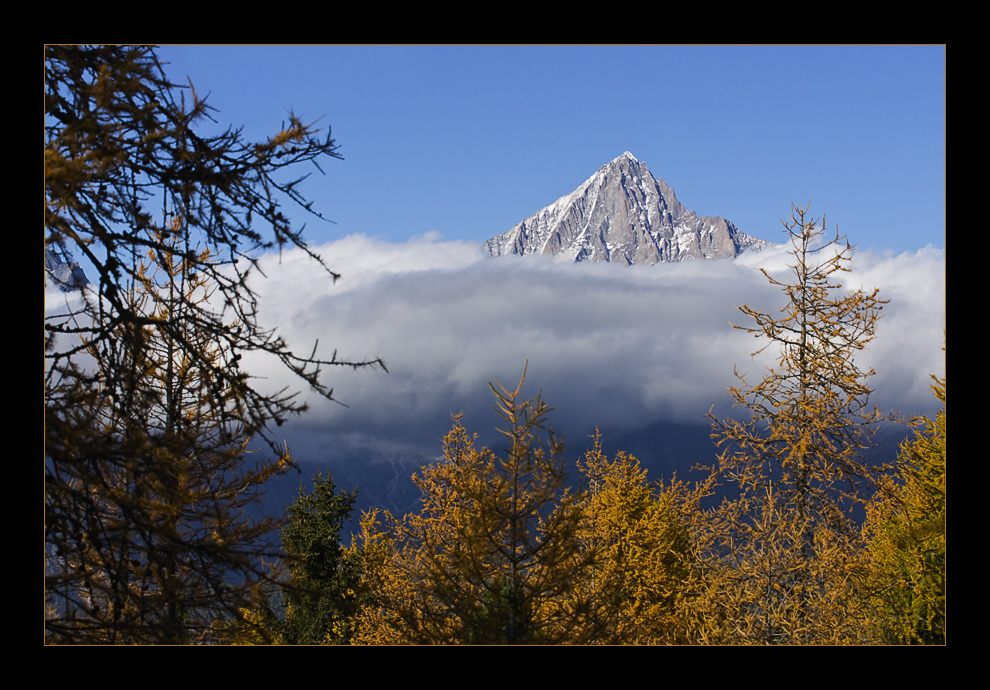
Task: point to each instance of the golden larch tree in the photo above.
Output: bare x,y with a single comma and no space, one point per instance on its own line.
788,543
147,409
493,556
905,528
152,532
644,567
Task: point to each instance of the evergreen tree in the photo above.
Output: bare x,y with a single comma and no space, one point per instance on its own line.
788,543
321,595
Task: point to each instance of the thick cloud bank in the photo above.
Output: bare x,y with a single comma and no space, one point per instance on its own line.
618,347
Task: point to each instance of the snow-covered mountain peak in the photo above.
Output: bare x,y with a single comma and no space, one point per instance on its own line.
623,213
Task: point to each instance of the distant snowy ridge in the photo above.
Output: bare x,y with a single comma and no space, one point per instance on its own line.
623,214
67,276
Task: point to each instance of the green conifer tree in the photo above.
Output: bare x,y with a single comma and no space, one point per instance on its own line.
321,596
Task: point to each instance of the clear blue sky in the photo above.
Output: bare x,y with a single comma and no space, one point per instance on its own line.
469,140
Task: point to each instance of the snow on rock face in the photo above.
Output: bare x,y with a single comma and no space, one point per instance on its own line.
67,276
623,214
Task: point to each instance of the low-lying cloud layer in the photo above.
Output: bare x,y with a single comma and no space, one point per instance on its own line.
618,347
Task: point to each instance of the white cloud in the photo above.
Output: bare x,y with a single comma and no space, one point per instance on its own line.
613,346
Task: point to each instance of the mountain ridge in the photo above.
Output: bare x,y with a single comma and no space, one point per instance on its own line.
67,275
623,214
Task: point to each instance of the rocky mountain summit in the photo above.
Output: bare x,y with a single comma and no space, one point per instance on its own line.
623,214
67,275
